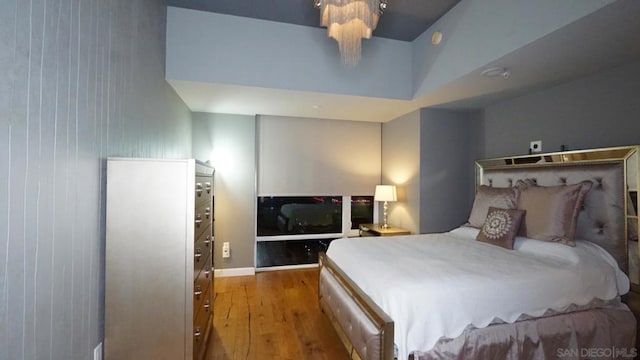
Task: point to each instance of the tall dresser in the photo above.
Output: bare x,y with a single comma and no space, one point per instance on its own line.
159,271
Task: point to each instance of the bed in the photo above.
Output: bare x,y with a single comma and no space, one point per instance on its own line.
543,299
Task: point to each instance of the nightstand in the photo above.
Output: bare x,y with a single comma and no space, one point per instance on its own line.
378,230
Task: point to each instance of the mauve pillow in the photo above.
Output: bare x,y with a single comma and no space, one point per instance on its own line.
552,211
486,196
501,227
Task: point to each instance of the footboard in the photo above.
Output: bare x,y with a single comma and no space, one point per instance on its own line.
365,330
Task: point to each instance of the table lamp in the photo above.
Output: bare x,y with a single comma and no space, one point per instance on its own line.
385,193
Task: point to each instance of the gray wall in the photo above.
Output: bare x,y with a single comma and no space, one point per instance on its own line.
596,111
478,33
232,138
401,167
450,142
429,154
79,81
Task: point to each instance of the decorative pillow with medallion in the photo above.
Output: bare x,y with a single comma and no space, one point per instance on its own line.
501,227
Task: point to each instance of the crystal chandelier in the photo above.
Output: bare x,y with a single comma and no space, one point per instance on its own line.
348,22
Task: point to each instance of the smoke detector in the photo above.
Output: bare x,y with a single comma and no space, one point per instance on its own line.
496,71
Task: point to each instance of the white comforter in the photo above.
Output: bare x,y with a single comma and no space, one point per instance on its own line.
436,285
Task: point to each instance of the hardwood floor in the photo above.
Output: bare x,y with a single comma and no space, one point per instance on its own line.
272,315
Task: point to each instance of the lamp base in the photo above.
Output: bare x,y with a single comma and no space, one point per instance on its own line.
385,225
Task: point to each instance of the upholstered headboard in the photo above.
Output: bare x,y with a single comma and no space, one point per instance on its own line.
602,219
605,218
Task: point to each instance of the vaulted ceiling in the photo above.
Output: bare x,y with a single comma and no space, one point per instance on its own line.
597,41
403,20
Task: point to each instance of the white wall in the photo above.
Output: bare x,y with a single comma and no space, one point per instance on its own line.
79,81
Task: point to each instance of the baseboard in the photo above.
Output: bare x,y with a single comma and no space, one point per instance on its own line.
234,272
288,267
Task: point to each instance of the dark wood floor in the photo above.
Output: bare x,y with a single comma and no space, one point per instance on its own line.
272,315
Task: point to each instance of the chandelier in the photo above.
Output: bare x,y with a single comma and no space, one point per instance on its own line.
348,22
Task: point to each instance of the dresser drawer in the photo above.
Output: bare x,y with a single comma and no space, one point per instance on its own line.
204,209
202,222
200,259
204,240
201,330
201,253
205,268
204,183
205,308
200,288
203,190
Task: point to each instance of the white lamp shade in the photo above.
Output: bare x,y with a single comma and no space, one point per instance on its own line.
385,193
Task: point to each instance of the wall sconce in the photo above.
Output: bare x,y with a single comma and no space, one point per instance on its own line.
385,193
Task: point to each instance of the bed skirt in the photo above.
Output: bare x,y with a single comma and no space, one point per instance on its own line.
606,333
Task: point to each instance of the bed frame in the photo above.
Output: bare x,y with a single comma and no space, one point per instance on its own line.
367,331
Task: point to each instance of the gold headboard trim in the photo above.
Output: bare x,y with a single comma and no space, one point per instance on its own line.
627,156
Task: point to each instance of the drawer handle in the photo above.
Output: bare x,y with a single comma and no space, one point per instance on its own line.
197,255
207,241
207,212
206,305
207,186
196,333
198,185
206,272
198,220
198,292
199,192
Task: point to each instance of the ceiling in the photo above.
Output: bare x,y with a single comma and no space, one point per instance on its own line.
603,40
403,20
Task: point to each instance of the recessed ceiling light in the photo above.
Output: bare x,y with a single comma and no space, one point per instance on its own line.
315,107
436,38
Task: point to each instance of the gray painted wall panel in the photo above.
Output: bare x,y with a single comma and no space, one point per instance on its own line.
5,193
450,143
429,154
596,111
79,81
234,139
401,167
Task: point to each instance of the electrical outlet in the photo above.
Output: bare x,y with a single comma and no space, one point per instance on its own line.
535,146
97,352
226,250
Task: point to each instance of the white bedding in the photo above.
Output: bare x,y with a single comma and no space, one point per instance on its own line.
436,285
